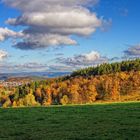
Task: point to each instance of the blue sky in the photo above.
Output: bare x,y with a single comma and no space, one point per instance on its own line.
117,34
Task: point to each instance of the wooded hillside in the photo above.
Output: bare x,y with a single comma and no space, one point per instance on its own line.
107,82
106,68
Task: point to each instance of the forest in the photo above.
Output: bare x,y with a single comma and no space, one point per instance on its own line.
107,68
104,83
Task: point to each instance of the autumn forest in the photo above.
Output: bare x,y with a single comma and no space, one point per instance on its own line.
105,83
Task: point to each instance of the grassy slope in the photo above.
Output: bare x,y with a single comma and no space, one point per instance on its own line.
86,122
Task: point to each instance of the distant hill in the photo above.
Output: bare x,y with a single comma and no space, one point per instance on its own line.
5,76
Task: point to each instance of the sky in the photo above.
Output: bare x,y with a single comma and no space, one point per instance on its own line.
65,35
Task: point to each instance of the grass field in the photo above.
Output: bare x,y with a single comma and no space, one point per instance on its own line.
118,121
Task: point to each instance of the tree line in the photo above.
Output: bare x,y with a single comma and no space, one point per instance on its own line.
107,68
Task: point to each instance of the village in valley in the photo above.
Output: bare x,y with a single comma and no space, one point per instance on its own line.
15,82
10,84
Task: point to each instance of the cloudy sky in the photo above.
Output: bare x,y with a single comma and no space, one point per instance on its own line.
64,35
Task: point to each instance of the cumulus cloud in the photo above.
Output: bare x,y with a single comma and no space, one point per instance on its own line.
3,54
90,59
53,22
6,33
133,51
38,5
42,41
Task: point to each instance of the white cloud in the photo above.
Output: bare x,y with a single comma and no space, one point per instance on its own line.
42,41
38,5
83,60
53,22
6,33
3,54
66,18
92,56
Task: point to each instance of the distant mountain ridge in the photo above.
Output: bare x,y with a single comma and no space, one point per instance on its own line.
5,76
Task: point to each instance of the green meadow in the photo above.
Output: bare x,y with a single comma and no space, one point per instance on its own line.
120,121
